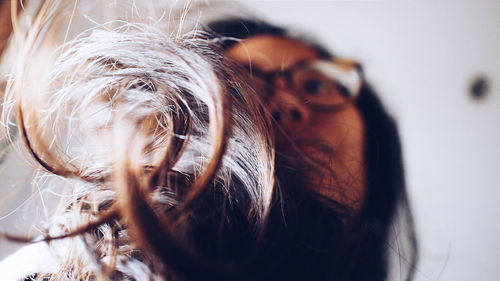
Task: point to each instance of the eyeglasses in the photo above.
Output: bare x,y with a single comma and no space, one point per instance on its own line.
321,84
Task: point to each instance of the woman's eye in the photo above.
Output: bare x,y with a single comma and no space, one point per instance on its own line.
315,87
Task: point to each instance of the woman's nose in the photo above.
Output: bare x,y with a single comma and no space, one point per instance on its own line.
287,109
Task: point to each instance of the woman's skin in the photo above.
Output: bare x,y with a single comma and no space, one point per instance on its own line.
342,131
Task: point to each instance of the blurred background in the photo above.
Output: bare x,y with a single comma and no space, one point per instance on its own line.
436,65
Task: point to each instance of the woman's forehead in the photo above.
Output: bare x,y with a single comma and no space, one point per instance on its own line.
270,52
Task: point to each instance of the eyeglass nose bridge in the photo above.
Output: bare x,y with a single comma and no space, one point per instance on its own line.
275,75
287,108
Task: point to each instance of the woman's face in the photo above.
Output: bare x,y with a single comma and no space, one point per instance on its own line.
302,131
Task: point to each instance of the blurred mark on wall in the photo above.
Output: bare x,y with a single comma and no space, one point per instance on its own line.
479,87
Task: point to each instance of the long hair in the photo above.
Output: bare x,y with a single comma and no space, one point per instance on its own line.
163,146
168,157
386,198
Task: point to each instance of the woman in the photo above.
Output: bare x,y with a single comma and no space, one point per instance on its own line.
263,158
353,140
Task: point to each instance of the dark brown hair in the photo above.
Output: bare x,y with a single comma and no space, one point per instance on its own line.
386,200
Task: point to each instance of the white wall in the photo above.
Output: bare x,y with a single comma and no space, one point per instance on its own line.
421,57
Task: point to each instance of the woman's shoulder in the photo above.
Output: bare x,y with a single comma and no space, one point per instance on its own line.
29,260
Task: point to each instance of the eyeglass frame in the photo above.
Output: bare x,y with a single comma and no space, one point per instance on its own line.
270,77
